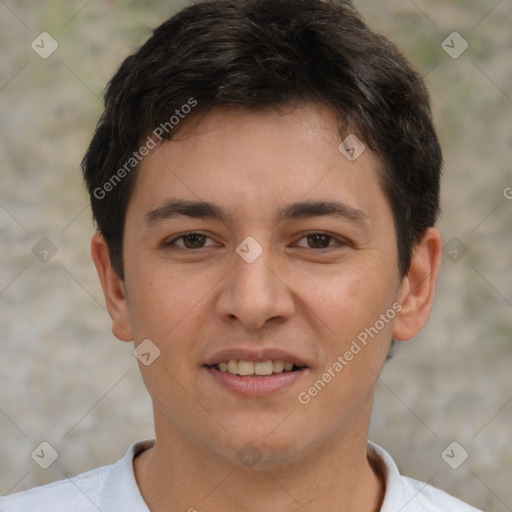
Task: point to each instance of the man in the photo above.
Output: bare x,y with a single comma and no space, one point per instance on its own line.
265,182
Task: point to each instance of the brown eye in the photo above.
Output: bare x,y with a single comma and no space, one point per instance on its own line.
321,241
190,241
194,241
318,240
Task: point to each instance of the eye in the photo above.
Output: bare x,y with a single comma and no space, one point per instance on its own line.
320,241
190,241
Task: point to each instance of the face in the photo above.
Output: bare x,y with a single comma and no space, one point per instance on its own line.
254,245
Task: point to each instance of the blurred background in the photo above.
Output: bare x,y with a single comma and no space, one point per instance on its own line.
444,402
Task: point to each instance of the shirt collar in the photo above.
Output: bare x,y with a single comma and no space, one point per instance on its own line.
121,491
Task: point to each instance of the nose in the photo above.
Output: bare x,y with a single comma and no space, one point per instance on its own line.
255,293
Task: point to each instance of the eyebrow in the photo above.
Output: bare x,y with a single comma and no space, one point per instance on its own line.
194,209
300,210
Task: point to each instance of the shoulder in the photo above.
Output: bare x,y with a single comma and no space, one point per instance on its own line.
428,498
408,495
80,494
108,488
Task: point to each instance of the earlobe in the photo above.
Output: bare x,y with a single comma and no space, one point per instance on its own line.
113,289
418,288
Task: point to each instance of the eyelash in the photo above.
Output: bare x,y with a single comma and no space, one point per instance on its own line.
305,235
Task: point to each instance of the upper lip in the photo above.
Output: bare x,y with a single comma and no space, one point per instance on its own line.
256,356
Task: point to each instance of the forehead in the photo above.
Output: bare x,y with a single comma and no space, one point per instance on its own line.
254,162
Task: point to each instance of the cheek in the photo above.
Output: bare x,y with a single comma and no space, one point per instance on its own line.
348,299
170,306
159,302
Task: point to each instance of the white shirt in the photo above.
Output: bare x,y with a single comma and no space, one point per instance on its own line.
113,488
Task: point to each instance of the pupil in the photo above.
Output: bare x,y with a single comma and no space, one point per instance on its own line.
196,240
319,240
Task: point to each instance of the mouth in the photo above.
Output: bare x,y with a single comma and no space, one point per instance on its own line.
255,369
255,373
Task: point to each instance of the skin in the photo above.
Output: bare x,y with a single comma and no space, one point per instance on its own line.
297,296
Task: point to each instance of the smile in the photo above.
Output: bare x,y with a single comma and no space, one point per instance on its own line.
250,368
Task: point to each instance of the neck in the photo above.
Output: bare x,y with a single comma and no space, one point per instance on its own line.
178,475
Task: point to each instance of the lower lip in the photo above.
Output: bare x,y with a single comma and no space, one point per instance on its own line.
255,386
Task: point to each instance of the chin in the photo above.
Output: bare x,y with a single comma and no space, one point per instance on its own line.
262,451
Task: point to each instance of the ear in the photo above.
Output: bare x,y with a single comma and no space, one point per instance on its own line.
113,289
418,288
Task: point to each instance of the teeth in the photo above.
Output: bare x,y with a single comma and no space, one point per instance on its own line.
232,366
261,368
245,368
278,366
